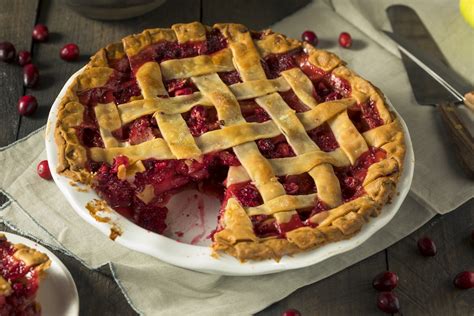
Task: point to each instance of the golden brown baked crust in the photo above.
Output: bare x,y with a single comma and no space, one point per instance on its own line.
243,53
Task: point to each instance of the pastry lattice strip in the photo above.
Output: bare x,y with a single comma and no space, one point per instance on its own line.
243,55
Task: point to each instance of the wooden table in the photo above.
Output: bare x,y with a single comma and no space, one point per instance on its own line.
425,284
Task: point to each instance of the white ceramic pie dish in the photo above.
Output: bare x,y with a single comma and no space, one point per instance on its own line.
184,227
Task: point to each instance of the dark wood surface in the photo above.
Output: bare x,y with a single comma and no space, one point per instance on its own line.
425,284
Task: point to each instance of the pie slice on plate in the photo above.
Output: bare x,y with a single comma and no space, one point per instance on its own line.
22,269
302,150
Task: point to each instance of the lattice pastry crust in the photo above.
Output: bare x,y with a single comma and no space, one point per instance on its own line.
243,52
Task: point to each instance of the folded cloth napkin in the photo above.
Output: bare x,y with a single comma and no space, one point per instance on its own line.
38,209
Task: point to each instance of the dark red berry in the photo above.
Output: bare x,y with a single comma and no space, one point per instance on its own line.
43,170
69,52
388,302
464,280
7,52
291,312
40,33
345,40
24,58
30,75
385,281
27,105
427,247
310,37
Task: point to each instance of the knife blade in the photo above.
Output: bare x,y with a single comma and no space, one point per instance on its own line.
408,30
424,62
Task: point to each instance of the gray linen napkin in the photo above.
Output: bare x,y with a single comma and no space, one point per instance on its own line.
37,208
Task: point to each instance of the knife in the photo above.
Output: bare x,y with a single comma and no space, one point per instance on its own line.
433,82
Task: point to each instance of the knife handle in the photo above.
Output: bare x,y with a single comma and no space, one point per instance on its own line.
462,140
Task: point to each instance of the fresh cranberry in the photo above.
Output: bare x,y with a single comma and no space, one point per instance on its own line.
69,52
7,52
464,280
388,302
27,105
310,37
385,281
345,40
291,312
427,246
40,33
30,75
43,170
24,58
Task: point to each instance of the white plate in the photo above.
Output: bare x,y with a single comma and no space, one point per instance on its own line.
57,294
197,256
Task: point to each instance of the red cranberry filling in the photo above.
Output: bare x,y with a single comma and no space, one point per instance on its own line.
119,89
252,112
314,73
256,35
294,223
165,177
246,193
230,77
331,88
264,226
293,101
176,87
300,184
166,50
274,64
120,64
351,178
324,138
140,130
365,116
24,283
201,119
276,147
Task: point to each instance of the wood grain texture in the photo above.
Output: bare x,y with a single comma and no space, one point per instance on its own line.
348,292
254,14
426,286
17,18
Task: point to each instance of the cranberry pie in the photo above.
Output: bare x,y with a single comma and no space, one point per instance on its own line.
21,269
302,150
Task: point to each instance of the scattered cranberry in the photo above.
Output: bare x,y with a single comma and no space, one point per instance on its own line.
345,40
24,58
40,33
7,52
310,37
464,280
27,105
388,302
43,170
291,312
427,247
385,281
69,52
30,75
